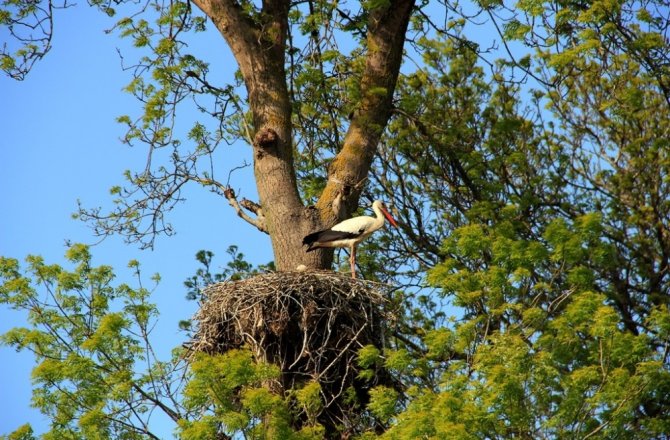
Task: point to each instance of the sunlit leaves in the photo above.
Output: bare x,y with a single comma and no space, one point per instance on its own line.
440,343
27,31
375,4
231,388
515,30
87,336
107,334
24,432
310,400
520,359
383,403
369,358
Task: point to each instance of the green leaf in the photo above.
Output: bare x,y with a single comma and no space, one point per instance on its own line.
383,402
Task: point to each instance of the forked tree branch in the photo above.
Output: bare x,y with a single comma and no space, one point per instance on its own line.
258,222
387,27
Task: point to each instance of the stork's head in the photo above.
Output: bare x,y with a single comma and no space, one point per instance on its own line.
378,205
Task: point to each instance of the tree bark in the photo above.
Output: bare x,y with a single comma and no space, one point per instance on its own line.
385,39
259,46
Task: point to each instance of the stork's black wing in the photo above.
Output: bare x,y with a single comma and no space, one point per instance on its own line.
326,236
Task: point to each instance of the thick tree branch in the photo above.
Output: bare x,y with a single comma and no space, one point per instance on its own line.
252,207
385,39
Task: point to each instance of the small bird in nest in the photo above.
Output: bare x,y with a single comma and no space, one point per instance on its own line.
350,232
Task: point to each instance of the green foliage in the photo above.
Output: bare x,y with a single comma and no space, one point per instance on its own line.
540,242
89,337
237,268
376,4
310,401
551,345
24,432
236,393
369,358
97,374
27,35
383,403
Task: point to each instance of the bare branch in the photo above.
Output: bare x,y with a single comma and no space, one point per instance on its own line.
252,206
258,222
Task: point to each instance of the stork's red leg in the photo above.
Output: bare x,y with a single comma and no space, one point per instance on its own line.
352,260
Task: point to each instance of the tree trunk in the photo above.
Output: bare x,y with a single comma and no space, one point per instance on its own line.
259,46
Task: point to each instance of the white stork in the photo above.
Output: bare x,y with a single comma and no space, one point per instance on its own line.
349,233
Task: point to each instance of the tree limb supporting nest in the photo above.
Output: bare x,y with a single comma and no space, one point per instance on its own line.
310,324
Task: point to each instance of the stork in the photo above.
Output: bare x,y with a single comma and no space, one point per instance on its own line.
350,233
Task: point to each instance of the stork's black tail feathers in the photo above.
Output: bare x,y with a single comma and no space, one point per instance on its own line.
310,239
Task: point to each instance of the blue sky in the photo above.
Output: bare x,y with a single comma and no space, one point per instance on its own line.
60,143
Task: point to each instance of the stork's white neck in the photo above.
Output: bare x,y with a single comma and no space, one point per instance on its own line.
380,218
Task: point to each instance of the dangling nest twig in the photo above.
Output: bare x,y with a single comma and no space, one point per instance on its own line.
310,324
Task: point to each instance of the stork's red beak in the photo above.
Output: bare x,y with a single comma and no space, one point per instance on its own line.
389,218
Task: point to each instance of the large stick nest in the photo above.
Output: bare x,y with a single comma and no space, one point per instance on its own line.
310,324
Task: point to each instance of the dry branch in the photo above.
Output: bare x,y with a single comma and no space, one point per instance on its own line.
258,222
